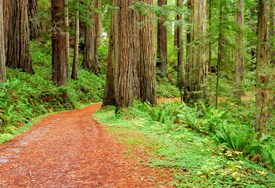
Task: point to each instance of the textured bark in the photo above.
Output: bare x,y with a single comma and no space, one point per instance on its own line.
6,6
210,34
2,46
34,22
112,62
18,50
179,45
239,68
272,32
60,61
162,43
98,21
126,19
90,58
197,61
220,50
147,59
262,94
74,75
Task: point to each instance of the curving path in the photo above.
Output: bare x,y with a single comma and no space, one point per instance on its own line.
70,149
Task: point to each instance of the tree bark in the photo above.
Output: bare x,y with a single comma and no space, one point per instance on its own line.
162,43
197,61
98,21
18,52
74,75
2,46
220,50
90,58
112,62
262,94
6,5
126,20
60,61
34,22
147,59
239,68
179,40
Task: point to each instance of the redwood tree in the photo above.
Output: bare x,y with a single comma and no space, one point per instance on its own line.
34,22
90,58
60,61
262,94
197,60
18,50
147,59
2,46
162,42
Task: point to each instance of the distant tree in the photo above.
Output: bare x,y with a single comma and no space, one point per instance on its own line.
2,46
18,50
34,22
112,61
90,57
6,5
197,60
179,46
147,59
74,75
162,42
262,93
239,52
60,61
98,21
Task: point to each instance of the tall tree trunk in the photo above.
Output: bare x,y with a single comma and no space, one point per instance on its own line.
98,21
262,98
2,46
197,62
90,58
220,50
6,6
112,62
18,54
239,68
60,61
162,43
147,60
126,20
272,32
34,22
210,33
179,40
74,75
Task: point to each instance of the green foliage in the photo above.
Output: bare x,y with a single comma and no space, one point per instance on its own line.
195,158
24,97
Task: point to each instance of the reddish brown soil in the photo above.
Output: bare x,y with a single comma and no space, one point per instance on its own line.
71,149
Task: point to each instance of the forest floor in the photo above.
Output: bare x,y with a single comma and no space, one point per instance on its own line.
71,149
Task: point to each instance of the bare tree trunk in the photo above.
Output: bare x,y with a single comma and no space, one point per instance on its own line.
74,75
262,95
210,33
197,62
126,53
112,63
162,43
60,61
147,60
34,23
98,21
2,46
239,68
6,5
18,52
90,58
220,50
179,40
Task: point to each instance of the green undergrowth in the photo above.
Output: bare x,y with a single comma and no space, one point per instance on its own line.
24,97
198,144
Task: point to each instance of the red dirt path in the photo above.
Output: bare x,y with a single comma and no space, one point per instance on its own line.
70,149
